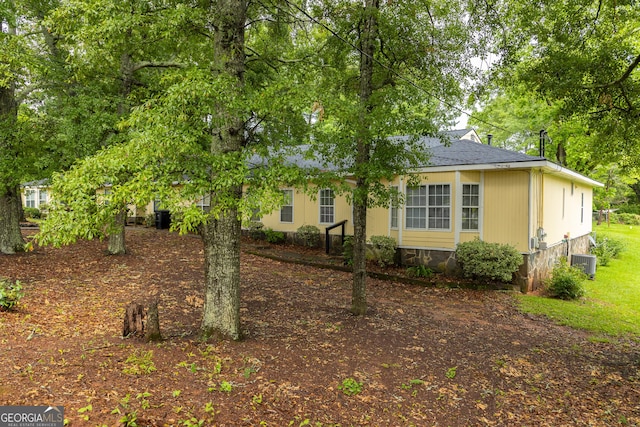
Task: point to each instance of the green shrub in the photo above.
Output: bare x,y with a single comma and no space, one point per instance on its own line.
150,220
420,271
273,236
256,231
628,218
383,249
628,209
488,261
32,213
566,282
347,250
607,248
309,234
10,294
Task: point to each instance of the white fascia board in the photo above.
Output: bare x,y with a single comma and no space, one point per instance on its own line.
555,169
544,165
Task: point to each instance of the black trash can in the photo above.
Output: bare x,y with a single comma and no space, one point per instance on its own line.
163,220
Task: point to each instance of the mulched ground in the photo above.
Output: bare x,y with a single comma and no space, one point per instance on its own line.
423,356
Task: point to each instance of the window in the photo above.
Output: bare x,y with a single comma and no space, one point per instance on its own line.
416,206
470,206
394,206
286,211
204,202
326,206
30,197
582,209
42,200
106,196
439,206
429,207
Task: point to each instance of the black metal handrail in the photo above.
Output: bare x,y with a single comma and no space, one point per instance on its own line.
327,240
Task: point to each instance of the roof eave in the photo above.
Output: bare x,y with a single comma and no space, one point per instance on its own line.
544,165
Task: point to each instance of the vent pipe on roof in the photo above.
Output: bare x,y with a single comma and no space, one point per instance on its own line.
543,135
489,139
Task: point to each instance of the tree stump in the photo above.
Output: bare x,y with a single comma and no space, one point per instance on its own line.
142,323
153,322
133,320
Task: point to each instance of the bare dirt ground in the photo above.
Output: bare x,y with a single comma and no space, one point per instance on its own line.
423,356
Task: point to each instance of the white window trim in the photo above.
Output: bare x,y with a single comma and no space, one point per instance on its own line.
293,211
391,208
426,207
462,230
34,197
320,205
46,199
204,201
451,207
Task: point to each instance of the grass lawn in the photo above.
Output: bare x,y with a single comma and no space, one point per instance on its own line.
612,302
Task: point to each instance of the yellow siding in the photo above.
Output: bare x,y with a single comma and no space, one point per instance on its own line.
512,208
468,236
506,208
378,221
470,177
306,211
428,239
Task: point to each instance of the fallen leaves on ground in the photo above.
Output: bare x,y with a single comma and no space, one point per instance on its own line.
424,356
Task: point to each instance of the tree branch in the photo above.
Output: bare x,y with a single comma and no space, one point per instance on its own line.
625,76
150,64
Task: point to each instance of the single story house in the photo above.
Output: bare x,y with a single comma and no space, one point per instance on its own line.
468,190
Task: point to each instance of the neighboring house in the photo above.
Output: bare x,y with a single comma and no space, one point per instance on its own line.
468,190
35,194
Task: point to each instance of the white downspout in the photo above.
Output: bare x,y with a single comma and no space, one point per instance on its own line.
481,208
532,231
458,210
401,189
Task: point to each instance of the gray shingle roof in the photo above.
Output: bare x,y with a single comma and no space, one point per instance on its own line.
443,152
464,152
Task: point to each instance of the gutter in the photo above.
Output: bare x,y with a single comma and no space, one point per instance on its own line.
544,165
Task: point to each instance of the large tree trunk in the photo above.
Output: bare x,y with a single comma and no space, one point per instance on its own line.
636,190
11,240
361,195
221,235
359,286
221,313
116,244
10,201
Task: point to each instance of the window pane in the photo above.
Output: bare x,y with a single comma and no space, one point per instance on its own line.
286,211
30,196
326,206
286,214
416,207
439,206
394,217
470,206
288,197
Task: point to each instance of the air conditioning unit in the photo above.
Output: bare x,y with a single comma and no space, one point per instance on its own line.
587,263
